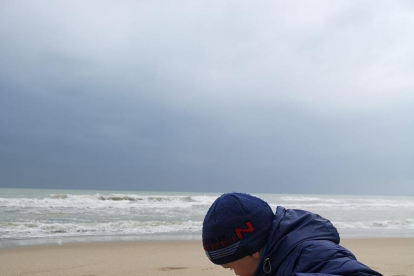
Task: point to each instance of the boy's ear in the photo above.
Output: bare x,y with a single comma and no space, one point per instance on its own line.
256,256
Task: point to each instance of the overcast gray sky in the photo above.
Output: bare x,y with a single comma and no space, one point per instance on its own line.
266,96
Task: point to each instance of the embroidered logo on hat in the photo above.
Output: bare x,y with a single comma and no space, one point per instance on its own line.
227,246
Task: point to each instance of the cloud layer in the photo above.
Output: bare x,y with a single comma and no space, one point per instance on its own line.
303,97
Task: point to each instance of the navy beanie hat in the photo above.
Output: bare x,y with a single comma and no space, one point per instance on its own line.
236,225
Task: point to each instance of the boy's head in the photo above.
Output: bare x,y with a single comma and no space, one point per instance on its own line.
236,226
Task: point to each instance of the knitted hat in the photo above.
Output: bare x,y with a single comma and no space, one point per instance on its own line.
236,225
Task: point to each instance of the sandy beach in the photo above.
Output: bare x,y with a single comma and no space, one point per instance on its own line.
391,257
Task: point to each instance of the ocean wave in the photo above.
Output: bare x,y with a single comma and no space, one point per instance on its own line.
300,198
65,213
85,202
204,200
407,224
117,198
346,205
59,196
41,230
304,202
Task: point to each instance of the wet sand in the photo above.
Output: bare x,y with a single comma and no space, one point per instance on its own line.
391,257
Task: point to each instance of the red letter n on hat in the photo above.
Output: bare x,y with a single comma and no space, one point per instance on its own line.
239,231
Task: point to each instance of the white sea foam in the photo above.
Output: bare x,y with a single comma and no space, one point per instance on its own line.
48,214
98,201
36,229
407,224
300,198
346,203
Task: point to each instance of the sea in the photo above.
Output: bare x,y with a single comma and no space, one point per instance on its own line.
45,217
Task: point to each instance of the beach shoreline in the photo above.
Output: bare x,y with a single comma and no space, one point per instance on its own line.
389,256
36,216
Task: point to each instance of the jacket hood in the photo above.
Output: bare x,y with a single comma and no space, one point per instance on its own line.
292,227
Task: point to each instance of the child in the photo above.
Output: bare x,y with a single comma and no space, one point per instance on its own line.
240,232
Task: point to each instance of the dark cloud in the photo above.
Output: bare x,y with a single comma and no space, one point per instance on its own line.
279,97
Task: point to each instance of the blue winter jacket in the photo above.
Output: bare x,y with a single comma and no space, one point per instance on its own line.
301,243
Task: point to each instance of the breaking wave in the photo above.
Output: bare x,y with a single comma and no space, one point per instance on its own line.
47,214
